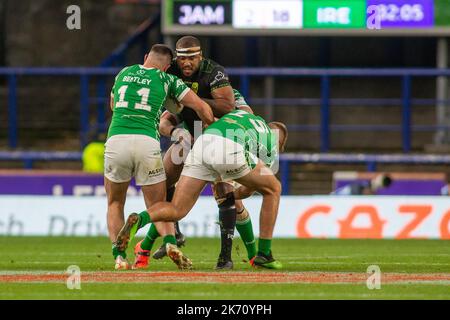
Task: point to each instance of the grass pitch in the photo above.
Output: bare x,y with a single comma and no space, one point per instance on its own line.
34,268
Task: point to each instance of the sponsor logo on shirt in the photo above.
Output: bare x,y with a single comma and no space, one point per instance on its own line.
219,76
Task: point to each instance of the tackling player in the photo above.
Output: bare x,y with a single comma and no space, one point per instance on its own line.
240,147
132,148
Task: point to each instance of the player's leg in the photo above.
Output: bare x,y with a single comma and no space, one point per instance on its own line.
173,165
164,211
262,180
189,187
152,194
187,192
229,162
116,196
244,225
164,229
245,229
193,180
150,174
223,193
118,174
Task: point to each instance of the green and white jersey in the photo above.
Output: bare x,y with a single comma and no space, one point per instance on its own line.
239,100
139,94
250,131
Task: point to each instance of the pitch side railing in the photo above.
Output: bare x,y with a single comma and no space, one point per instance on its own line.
325,127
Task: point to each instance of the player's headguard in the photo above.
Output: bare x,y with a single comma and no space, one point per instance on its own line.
188,46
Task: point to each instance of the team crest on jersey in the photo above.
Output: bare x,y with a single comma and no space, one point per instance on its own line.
141,72
194,87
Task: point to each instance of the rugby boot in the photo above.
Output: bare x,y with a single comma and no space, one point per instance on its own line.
224,264
178,257
128,231
265,261
121,263
142,257
160,253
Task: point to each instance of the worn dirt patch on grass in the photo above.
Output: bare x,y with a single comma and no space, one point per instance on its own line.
224,277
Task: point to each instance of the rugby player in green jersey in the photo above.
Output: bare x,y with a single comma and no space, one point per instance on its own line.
133,149
241,147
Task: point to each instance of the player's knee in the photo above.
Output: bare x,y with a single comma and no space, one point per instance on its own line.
223,193
239,204
221,190
226,202
273,189
277,187
242,214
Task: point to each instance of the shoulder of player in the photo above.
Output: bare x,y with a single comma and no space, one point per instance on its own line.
209,66
125,69
166,76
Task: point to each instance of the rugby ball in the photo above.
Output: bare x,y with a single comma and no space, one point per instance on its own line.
173,106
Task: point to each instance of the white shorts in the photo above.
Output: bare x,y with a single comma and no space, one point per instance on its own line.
215,158
134,155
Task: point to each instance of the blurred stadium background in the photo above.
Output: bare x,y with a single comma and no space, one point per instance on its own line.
359,101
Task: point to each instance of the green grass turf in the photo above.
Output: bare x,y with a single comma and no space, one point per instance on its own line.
33,254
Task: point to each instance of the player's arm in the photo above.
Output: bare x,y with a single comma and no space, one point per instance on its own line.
222,102
111,102
222,94
168,123
202,109
168,127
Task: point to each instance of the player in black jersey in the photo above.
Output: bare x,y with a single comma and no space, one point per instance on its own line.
210,81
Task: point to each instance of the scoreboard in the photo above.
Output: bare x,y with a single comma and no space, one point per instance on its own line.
306,17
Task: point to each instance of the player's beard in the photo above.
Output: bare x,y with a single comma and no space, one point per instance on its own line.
187,72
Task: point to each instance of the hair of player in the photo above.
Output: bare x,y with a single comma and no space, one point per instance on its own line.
282,127
188,42
161,50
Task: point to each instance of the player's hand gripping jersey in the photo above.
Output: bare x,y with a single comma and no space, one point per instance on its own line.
139,94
